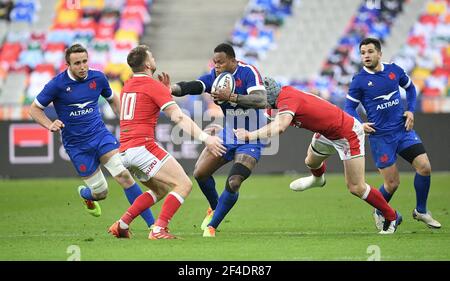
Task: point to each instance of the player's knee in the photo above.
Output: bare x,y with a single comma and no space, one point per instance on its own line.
125,179
199,175
233,183
392,184
356,189
424,168
237,175
98,185
115,166
183,187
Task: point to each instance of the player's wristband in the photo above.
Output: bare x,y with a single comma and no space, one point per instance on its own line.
203,136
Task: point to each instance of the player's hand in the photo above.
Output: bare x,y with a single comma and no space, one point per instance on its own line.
222,94
213,129
215,146
409,122
241,134
56,126
368,128
165,79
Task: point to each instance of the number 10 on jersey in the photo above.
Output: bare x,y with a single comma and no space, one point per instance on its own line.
128,104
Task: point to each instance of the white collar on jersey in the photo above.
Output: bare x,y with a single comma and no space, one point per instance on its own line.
371,72
141,75
75,79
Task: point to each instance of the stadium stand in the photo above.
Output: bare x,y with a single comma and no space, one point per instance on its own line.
343,61
254,34
426,56
34,39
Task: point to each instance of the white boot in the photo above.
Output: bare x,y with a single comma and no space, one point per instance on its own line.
305,183
427,219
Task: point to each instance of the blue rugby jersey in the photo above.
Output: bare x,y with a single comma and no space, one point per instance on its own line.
76,103
379,94
247,79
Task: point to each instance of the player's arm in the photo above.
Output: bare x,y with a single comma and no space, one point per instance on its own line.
214,144
411,101
114,102
112,99
406,83
274,128
187,88
182,88
351,104
255,99
38,115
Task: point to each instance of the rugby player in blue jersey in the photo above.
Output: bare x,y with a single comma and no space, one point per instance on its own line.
240,110
75,94
390,127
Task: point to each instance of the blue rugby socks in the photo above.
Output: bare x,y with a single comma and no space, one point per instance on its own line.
87,194
387,196
208,188
226,202
422,187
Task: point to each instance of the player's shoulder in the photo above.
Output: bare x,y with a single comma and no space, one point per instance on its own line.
360,75
392,66
288,93
246,67
92,72
59,79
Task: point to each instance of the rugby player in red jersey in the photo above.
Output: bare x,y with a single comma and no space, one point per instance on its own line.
336,131
142,99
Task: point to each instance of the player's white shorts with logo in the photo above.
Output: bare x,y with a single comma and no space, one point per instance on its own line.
348,147
144,161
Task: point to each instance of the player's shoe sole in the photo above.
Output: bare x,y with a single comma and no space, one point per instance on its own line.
92,207
305,183
207,219
209,232
426,218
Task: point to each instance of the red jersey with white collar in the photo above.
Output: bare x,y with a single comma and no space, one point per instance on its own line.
314,113
142,99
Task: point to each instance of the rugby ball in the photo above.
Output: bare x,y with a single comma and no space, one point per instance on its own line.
221,82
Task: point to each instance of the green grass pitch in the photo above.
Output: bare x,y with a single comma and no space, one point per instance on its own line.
44,220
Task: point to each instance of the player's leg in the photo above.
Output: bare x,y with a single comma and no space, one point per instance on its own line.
413,151
157,190
112,161
384,154
173,175
205,167
391,180
160,172
354,177
318,151
245,160
383,149
96,187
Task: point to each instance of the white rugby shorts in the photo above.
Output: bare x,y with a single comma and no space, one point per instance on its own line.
351,145
144,161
